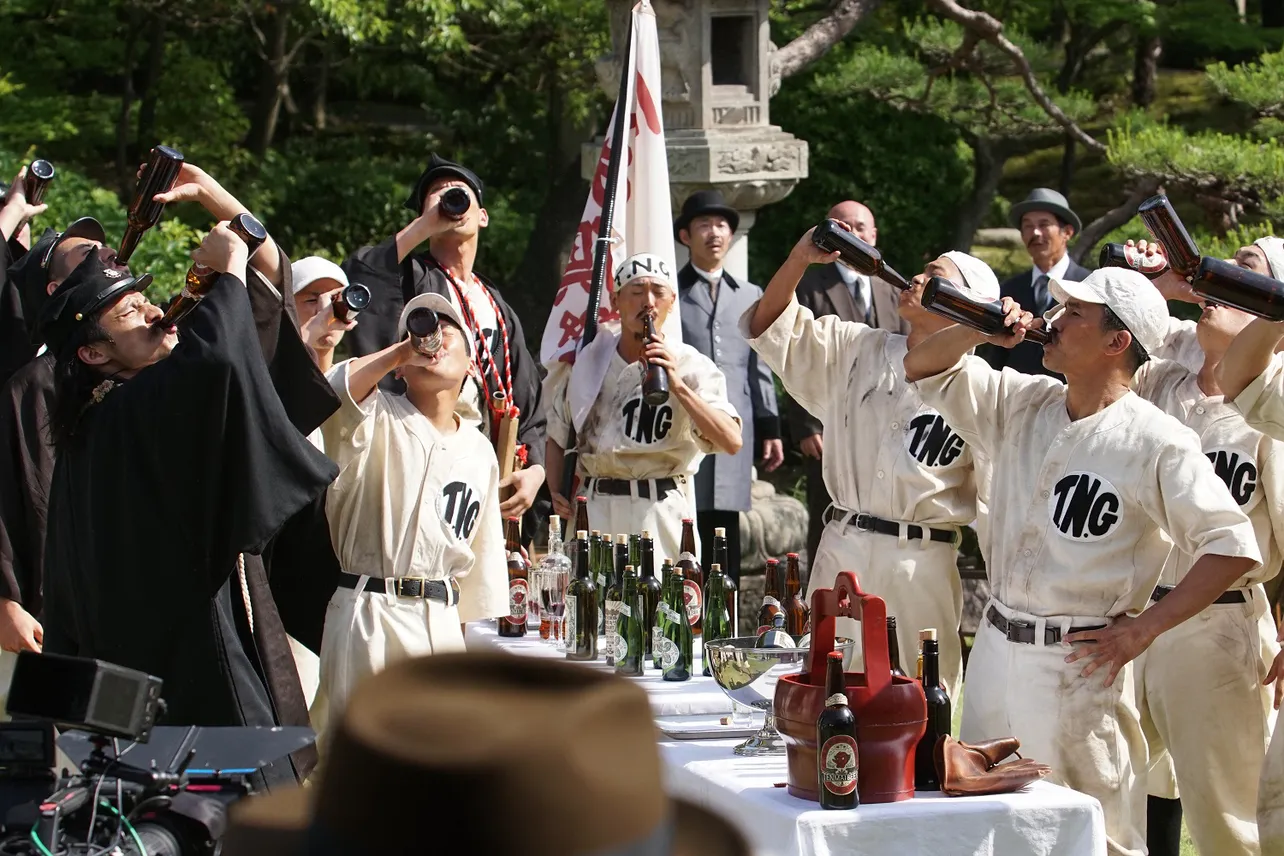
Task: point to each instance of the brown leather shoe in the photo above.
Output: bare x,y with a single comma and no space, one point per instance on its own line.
966,770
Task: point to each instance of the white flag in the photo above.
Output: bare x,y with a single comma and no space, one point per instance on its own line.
643,219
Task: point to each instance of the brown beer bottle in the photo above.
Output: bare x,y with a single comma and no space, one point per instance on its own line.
655,379
855,253
692,578
795,610
144,212
943,297
352,300
454,203
200,279
39,173
424,329
837,752
771,598
894,648
519,590
1166,227
1124,256
1231,285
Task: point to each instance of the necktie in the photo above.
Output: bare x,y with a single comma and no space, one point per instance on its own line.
1041,303
861,294
713,286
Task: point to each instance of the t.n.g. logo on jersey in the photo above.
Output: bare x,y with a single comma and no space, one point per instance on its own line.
1238,469
1084,507
930,441
646,423
460,506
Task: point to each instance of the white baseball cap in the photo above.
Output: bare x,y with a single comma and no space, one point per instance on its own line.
641,265
977,275
1273,248
1126,293
444,309
304,272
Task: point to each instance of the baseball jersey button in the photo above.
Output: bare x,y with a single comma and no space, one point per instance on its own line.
1044,494
1199,409
880,474
895,426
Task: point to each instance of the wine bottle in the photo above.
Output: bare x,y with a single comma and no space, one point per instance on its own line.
1124,256
598,570
651,589
771,598
39,173
855,253
938,718
661,625
1166,227
677,643
717,617
630,647
200,279
1231,285
615,593
894,648
729,575
144,212
581,606
837,752
519,590
351,300
454,203
943,297
655,379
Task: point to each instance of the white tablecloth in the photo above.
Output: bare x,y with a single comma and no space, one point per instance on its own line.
700,695
1044,819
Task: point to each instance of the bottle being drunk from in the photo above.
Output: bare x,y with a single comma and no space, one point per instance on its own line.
837,751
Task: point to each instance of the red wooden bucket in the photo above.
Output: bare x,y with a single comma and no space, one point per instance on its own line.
891,712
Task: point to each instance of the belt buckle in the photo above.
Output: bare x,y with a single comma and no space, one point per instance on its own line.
861,520
416,585
1014,626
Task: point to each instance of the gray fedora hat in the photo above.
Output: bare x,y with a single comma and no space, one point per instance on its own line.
1046,199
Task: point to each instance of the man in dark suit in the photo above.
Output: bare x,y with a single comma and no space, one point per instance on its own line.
1047,224
835,289
712,302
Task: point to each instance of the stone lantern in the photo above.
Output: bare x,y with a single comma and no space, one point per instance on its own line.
716,77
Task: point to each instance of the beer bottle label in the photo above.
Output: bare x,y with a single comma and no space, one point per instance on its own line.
693,598
770,601
570,613
1139,261
836,699
839,764
518,594
612,619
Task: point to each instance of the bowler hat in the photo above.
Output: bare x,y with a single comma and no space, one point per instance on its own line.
1046,199
705,202
441,168
486,753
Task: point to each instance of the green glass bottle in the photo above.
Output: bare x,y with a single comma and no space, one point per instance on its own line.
598,572
675,646
581,606
651,589
619,558
717,617
661,621
630,647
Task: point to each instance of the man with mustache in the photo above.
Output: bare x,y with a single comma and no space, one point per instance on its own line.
1047,224
712,302
638,460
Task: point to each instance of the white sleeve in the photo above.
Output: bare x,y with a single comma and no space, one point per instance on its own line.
340,430
707,381
483,592
1262,401
557,404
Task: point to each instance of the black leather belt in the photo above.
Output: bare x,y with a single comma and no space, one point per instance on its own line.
1232,596
869,523
1023,631
443,591
624,487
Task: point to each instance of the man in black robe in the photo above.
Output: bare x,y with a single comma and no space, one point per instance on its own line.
395,274
16,318
177,464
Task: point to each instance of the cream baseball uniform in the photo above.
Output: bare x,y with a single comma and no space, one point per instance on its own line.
409,502
886,454
623,437
1206,673
1079,512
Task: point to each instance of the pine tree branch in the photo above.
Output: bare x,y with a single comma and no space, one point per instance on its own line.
990,29
1113,219
821,36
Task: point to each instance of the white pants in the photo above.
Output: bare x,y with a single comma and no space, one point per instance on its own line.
919,581
1207,720
367,631
308,666
629,515
1270,799
1088,733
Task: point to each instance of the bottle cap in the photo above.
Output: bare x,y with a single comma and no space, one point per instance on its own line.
554,520
597,533
719,532
687,520
929,633
622,539
628,569
581,499
715,568
791,555
773,561
835,655
514,520
646,533
891,621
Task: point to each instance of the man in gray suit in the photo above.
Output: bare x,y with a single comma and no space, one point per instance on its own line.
835,289
1047,224
712,302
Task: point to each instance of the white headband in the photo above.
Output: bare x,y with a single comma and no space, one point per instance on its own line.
976,274
642,265
1273,247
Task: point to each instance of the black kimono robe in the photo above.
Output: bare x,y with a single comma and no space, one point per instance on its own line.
18,314
168,479
26,467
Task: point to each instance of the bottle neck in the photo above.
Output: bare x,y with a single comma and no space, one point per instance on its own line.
834,677
893,646
931,664
648,559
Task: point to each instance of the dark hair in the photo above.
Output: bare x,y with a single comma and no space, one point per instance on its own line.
1136,353
74,382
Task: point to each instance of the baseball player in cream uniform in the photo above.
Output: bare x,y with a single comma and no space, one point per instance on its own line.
1089,484
414,514
637,461
902,481
1208,672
